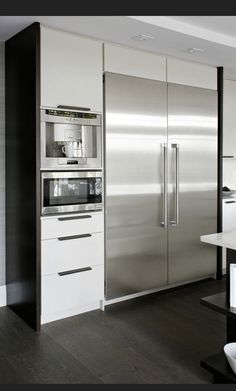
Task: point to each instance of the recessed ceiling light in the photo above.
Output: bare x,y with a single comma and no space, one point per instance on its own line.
195,50
142,37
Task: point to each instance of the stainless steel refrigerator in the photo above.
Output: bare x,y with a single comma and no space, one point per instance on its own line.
160,183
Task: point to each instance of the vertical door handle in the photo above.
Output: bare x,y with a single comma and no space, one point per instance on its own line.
176,207
164,223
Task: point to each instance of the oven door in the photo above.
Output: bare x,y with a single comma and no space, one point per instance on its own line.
64,192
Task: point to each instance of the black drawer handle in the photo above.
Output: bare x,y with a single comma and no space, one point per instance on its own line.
230,202
75,237
82,269
74,218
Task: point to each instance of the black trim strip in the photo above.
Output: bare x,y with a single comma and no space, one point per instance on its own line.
220,88
75,237
82,269
74,218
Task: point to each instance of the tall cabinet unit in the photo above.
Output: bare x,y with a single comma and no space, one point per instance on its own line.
23,175
55,266
160,137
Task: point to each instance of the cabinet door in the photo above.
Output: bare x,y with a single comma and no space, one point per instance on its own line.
229,215
229,142
191,74
71,70
133,62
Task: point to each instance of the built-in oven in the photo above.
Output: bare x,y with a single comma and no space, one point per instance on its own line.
65,192
70,139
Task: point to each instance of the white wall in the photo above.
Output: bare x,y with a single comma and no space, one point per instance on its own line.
2,164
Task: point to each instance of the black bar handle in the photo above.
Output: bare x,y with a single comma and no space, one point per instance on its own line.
74,108
75,218
82,269
228,157
72,162
75,237
230,202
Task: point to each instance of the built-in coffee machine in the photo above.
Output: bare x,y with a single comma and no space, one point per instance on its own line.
70,139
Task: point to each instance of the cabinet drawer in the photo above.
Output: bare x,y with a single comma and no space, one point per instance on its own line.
72,293
54,227
72,253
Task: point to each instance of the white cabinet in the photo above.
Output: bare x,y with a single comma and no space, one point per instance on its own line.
72,253
72,258
71,70
71,294
229,220
229,214
84,223
191,74
134,62
229,118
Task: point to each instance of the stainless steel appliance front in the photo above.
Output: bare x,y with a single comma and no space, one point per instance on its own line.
136,128
64,192
70,140
161,183
192,196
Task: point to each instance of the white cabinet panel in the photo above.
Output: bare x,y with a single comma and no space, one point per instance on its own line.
229,214
229,118
62,255
229,220
63,226
133,62
71,70
191,74
71,294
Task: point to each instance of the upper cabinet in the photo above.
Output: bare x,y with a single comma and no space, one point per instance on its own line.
134,62
191,74
229,119
71,70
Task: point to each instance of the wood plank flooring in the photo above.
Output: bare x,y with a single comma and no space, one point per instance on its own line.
159,338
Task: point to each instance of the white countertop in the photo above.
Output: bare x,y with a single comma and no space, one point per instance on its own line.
224,239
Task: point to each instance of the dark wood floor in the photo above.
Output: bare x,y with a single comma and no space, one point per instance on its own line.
159,338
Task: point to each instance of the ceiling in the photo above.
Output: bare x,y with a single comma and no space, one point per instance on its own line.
172,36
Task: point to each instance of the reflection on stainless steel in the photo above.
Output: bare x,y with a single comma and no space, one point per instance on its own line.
195,131
160,184
124,119
136,127
195,121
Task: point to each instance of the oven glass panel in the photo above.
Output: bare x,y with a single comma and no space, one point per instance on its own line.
72,191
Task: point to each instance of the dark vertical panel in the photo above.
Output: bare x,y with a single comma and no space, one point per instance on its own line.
220,86
22,174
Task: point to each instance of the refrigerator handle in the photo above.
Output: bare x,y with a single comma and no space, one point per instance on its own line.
176,221
164,223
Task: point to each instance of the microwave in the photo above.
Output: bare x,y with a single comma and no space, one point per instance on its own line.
66,192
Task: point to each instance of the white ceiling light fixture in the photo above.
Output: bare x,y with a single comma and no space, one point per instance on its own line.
142,37
195,50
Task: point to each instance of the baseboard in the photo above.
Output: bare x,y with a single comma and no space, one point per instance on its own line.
47,318
3,296
164,288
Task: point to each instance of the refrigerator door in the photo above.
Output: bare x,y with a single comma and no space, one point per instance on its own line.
136,128
192,171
